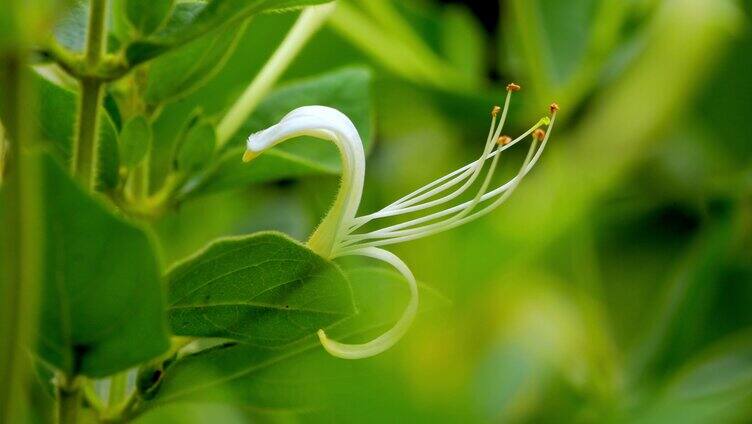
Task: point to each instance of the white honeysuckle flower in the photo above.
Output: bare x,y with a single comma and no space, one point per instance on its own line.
338,236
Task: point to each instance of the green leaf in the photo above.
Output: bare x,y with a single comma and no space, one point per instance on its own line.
111,106
177,73
101,304
722,104
463,42
196,413
565,34
347,90
135,139
290,377
724,369
70,30
561,49
260,39
688,302
119,26
197,148
550,36
147,15
57,118
713,387
265,289
182,28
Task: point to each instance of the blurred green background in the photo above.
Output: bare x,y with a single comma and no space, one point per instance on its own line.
614,286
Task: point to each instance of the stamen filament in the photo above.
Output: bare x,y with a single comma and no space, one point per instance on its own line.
505,190
465,170
493,135
463,209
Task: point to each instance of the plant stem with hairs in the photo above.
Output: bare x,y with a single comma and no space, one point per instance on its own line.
19,273
86,145
69,396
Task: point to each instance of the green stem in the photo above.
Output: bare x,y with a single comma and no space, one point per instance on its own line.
96,36
125,413
69,396
145,174
307,24
19,230
2,152
117,389
111,66
91,398
84,161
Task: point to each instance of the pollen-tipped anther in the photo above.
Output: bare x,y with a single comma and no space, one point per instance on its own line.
513,87
539,134
504,140
495,111
554,107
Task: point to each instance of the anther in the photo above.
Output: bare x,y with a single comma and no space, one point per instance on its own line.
495,111
504,140
554,107
513,87
539,134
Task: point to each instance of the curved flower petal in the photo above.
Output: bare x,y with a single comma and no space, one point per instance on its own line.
392,336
